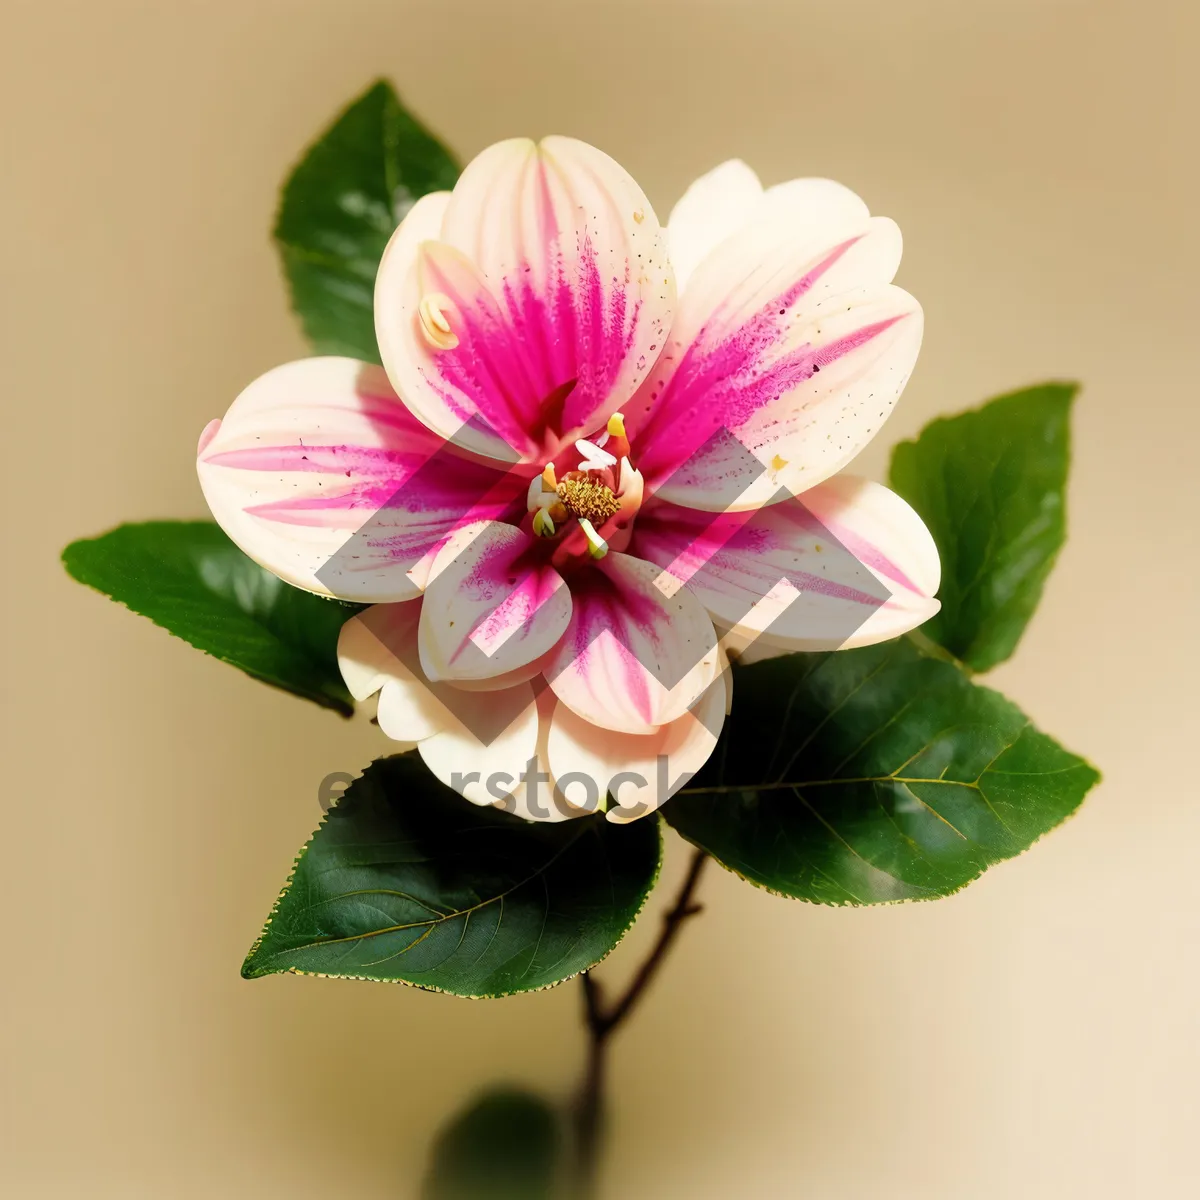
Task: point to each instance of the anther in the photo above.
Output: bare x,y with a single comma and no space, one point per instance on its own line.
543,524
434,324
597,546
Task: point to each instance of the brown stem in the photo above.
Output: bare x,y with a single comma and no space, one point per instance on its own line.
603,1020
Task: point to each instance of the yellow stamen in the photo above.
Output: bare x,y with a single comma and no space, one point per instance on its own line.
543,525
584,498
597,546
549,479
434,324
616,425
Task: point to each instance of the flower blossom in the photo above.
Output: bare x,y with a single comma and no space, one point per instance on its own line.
600,454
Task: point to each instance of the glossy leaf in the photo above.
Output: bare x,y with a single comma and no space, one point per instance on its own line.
505,1146
874,775
188,577
407,881
991,484
340,206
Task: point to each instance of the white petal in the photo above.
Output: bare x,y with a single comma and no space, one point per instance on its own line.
640,771
714,206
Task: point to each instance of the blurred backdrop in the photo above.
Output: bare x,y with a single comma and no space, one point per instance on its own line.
1035,1036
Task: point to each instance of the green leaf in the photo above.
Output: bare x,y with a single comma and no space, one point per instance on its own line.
407,881
873,775
188,577
505,1146
340,206
991,484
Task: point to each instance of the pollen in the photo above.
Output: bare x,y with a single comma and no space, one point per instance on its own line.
587,500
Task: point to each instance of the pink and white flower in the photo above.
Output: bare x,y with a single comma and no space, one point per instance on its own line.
562,494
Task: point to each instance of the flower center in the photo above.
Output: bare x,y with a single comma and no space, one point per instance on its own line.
582,497
592,508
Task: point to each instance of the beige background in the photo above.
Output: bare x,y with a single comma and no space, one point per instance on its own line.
1034,1037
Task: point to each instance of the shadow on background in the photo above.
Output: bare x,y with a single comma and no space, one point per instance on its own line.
506,1145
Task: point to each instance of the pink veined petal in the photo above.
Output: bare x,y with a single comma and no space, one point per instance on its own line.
491,606
715,206
402,346
848,563
632,658
885,533
558,294
796,345
639,771
321,475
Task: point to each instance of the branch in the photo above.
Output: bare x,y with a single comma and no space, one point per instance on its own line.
603,1020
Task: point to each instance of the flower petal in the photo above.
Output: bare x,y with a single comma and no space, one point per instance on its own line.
632,658
848,563
490,747
492,607
788,352
321,475
557,293
729,198
639,771
884,533
485,771
537,796
715,206
377,652
812,205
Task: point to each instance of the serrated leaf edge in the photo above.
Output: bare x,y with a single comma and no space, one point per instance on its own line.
343,708
427,987
939,653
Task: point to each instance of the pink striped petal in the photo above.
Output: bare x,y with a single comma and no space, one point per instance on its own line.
848,563
321,475
794,343
632,658
639,771
493,606
548,264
